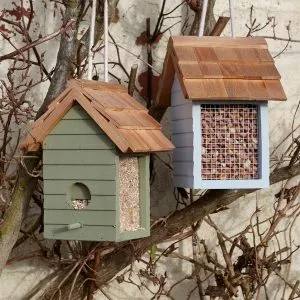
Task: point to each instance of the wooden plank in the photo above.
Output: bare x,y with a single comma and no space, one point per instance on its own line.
179,99
96,85
257,89
132,119
267,71
78,157
97,188
163,95
215,41
264,55
210,70
76,113
205,89
42,127
183,168
86,233
230,70
108,99
156,140
182,139
78,172
91,217
96,203
206,54
226,54
190,70
182,126
237,89
275,90
247,54
137,144
106,126
181,112
76,127
85,142
183,154
185,54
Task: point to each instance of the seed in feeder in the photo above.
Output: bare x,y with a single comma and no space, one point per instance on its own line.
230,141
79,203
129,194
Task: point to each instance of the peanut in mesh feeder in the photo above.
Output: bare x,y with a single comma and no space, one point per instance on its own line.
218,89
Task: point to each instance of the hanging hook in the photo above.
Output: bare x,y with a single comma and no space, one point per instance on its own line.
203,17
231,18
91,42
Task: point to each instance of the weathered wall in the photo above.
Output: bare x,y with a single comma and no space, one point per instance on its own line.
19,277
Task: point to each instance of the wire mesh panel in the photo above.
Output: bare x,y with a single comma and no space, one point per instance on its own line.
229,141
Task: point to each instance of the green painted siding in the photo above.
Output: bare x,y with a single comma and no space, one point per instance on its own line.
98,203
77,150
93,172
86,233
87,141
79,157
99,188
65,217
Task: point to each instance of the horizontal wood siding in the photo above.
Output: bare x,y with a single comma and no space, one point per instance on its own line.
76,127
78,157
85,142
95,217
86,233
77,150
97,203
98,188
182,137
77,172
182,140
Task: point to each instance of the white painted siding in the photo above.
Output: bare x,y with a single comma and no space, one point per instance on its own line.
182,137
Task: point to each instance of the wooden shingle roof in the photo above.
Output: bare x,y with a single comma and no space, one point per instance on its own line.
220,68
125,121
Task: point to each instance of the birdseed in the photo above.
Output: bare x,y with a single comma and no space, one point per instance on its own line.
79,204
129,194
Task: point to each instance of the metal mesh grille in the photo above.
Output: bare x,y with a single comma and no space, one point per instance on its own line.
229,141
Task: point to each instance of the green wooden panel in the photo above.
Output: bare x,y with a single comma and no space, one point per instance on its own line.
99,188
86,233
92,217
76,113
96,203
78,172
76,127
78,157
66,141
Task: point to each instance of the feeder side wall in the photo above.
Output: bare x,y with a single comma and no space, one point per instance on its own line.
77,150
182,138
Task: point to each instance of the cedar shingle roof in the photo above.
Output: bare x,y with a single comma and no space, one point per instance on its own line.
220,68
125,121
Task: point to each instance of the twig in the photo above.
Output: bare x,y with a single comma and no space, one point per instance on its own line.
38,41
